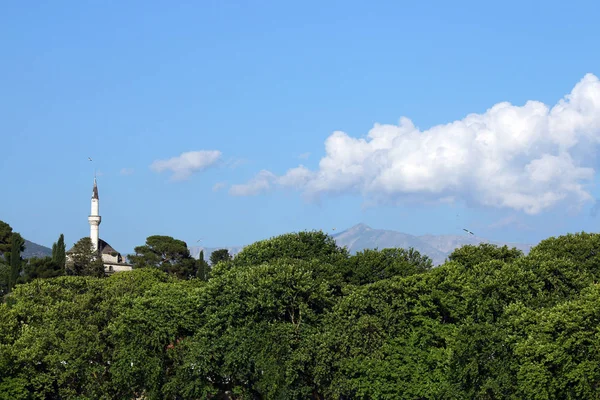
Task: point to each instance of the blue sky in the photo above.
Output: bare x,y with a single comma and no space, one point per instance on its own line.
263,86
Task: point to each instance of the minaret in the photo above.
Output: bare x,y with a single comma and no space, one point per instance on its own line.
94,218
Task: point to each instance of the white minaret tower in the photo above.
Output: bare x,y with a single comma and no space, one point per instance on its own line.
94,218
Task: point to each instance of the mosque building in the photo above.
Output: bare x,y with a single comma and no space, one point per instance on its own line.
112,259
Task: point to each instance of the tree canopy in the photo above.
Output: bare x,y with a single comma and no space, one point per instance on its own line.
59,252
167,254
84,259
5,235
219,255
297,317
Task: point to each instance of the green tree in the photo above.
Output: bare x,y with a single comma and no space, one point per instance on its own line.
470,255
255,340
59,251
582,248
85,260
4,277
556,349
15,260
219,255
5,234
203,269
166,253
44,267
299,246
369,266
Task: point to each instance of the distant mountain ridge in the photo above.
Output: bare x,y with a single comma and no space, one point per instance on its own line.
35,250
361,237
436,247
195,251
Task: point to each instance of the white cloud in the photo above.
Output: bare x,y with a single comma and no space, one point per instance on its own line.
235,162
218,186
126,171
260,183
526,158
304,156
187,163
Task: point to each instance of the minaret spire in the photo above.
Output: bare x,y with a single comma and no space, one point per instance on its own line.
94,219
95,190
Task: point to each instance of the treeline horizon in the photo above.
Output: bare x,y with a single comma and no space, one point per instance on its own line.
296,316
163,252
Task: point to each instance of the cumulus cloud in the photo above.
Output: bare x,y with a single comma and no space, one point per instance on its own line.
260,183
126,171
527,158
187,163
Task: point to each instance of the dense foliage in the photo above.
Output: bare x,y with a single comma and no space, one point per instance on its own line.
297,317
169,255
15,269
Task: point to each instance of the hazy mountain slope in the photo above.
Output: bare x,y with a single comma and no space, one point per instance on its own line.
447,243
361,236
35,250
195,251
437,247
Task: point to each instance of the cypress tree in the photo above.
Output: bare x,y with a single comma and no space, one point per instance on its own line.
59,252
203,267
54,248
17,245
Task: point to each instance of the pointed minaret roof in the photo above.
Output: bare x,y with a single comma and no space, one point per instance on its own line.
95,191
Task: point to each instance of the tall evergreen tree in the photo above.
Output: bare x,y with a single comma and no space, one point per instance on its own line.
5,248
5,234
203,267
59,252
17,246
85,260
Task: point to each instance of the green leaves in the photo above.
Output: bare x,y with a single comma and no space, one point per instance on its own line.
558,348
296,317
167,254
59,252
41,268
370,266
84,260
470,255
5,237
221,255
301,246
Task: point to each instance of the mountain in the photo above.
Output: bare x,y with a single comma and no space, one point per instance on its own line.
35,250
436,247
195,251
361,236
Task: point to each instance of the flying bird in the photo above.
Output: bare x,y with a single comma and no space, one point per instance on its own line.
89,159
468,231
